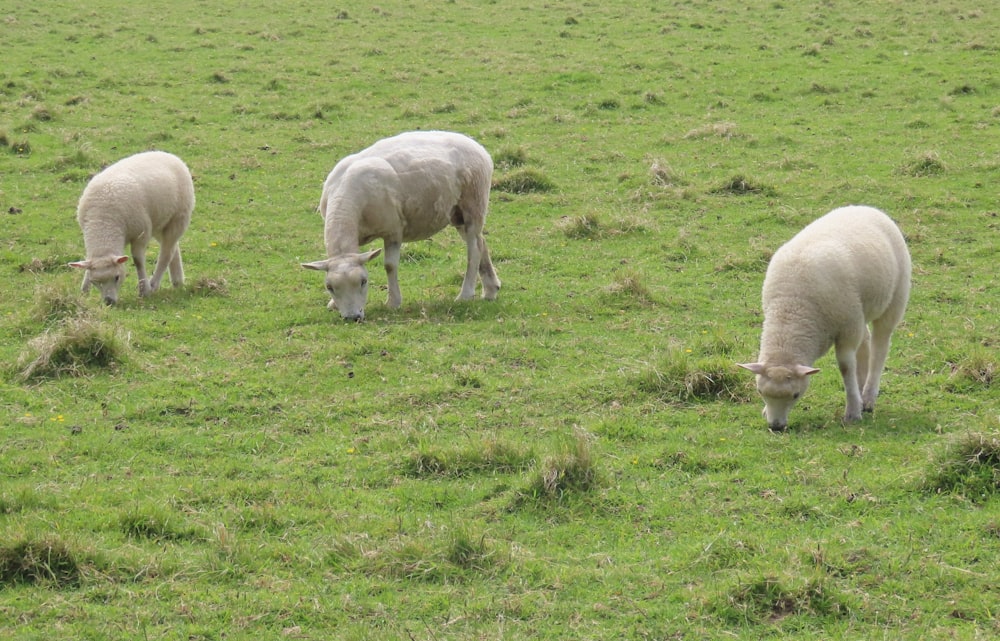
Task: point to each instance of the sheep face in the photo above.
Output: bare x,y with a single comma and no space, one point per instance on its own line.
106,274
780,388
347,283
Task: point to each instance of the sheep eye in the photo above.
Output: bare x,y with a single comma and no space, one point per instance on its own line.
795,396
364,282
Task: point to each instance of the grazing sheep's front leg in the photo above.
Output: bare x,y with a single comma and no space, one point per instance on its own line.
391,261
847,359
491,282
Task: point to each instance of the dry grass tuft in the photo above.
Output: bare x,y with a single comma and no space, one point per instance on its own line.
46,561
769,600
73,346
158,524
586,226
591,226
683,378
491,457
523,181
510,157
663,175
53,304
450,558
42,265
571,470
975,370
210,286
629,286
926,164
969,466
725,130
740,185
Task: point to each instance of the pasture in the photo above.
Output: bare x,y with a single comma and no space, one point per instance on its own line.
580,458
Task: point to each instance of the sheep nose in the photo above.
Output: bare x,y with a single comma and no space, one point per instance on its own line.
109,301
357,317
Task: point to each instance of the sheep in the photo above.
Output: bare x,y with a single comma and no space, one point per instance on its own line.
843,271
148,195
404,188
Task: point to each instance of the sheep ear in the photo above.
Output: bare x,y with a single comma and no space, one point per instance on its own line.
756,368
121,259
805,370
367,256
80,264
319,265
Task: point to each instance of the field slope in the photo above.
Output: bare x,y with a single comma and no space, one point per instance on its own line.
580,458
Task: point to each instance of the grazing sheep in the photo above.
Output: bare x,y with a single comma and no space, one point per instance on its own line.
148,195
404,188
847,269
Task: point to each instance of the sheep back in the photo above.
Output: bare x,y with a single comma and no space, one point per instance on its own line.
138,196
848,266
406,187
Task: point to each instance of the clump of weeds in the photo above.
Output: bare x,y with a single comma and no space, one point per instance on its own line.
968,466
681,377
77,344
571,470
523,181
769,599
926,164
740,185
42,561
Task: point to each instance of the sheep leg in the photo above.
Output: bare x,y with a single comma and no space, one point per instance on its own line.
177,269
139,258
168,249
847,359
491,282
881,338
391,262
472,266
864,362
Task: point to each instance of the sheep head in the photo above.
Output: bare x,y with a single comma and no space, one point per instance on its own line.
780,386
106,274
347,282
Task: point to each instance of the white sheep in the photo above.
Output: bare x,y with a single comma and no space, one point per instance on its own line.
845,270
148,195
401,189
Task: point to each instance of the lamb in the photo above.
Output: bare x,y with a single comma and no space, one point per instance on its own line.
148,195
401,189
845,270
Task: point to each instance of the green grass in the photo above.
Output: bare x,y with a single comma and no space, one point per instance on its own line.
580,458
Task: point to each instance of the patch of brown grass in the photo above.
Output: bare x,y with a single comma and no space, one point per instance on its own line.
72,347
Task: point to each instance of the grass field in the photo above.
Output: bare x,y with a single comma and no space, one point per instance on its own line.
580,459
